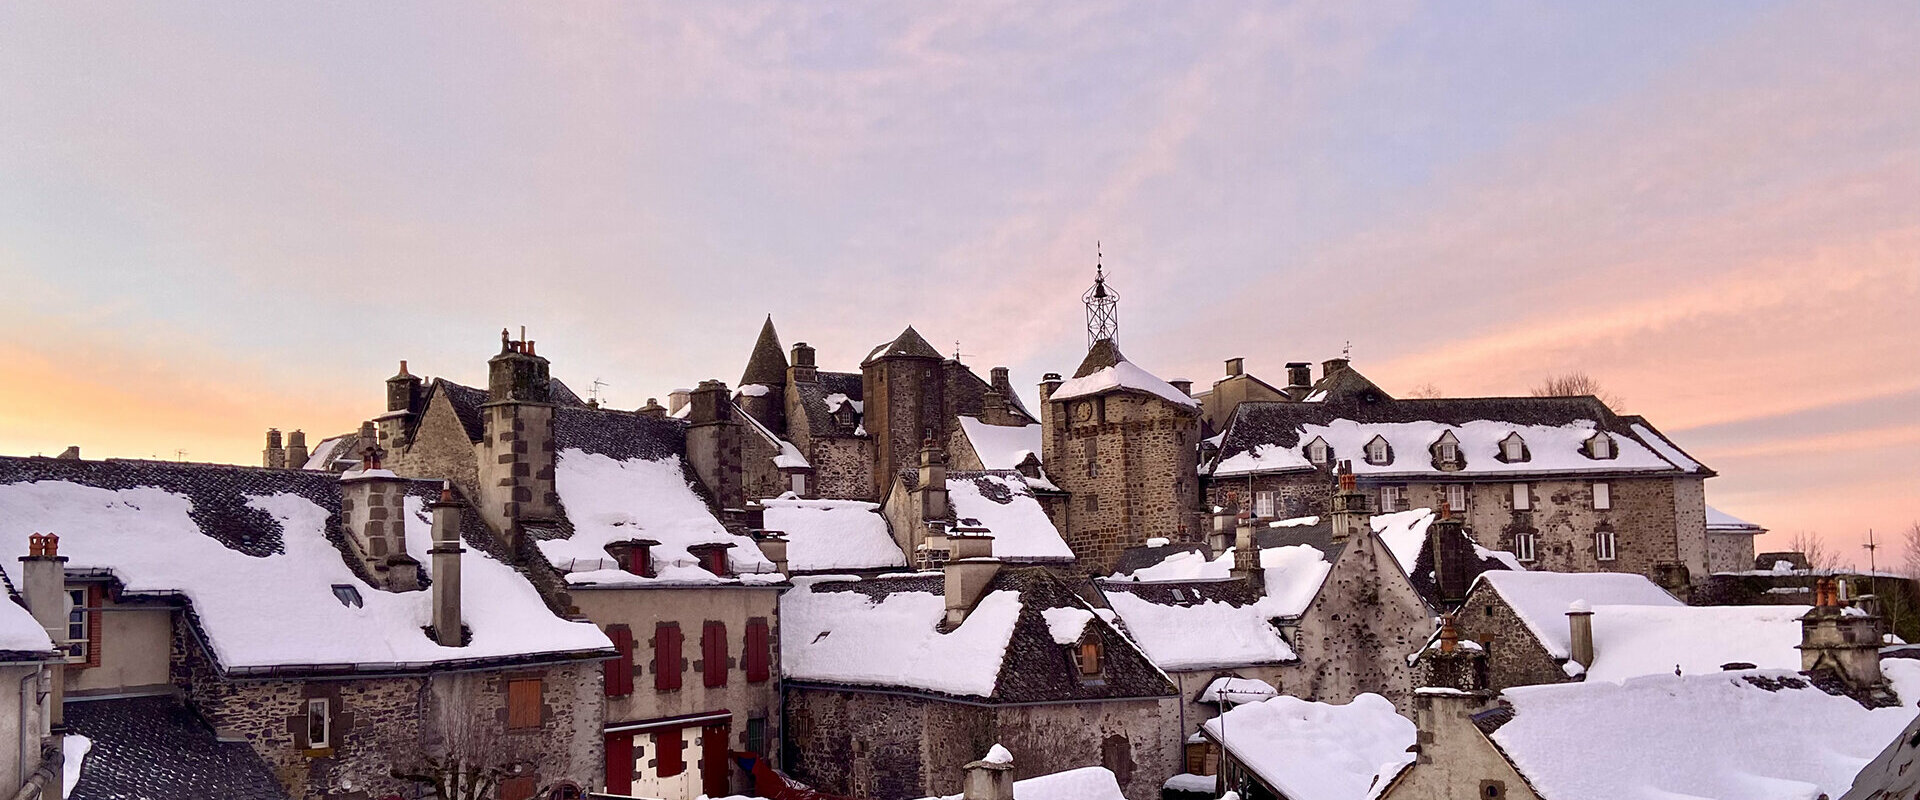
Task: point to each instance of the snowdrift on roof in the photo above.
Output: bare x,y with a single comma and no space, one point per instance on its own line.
1541,599
1004,505
1001,446
610,500
1317,751
1629,641
19,631
1204,634
846,637
1550,448
833,534
1122,376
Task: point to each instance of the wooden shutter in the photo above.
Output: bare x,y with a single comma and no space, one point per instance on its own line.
713,652
666,749
521,788
619,671
666,656
619,763
714,778
759,651
523,703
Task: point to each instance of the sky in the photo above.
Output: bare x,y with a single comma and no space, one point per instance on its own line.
216,218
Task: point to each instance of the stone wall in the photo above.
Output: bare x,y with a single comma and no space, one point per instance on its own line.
440,449
1455,759
843,467
1728,552
1128,460
516,461
1357,633
904,401
1514,655
20,724
1296,495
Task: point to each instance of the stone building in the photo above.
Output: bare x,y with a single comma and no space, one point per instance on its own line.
28,662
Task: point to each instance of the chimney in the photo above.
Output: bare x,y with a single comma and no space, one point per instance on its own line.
406,399
447,511
990,778
43,584
709,403
933,481
803,369
773,545
1332,366
516,454
1580,633
373,512
275,456
1447,545
72,453
1846,644
1236,367
1223,524
1048,383
970,567
678,399
1351,514
1449,665
1246,558
1185,386
652,409
1299,378
296,450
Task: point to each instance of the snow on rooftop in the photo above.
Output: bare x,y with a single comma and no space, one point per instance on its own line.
611,500
1293,575
1263,458
846,637
1722,522
1205,634
834,400
1551,448
1629,641
753,390
1020,527
280,610
1123,375
790,457
1001,446
1066,623
1237,690
1541,599
322,456
833,534
1317,751
1186,565
1404,533
19,631
1665,448
1083,783
1699,736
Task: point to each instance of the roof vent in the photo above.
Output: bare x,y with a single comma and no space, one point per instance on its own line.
347,594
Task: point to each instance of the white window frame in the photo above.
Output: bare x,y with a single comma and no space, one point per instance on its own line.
1522,497
1391,497
1317,451
78,620
1524,545
800,484
1605,547
1602,446
1602,496
1449,452
1379,452
1513,448
1458,491
1264,503
320,709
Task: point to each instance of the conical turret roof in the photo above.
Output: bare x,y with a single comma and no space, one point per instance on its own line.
909,344
768,364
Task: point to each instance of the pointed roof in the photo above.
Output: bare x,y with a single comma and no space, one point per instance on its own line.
768,364
1104,353
1106,370
909,344
1344,384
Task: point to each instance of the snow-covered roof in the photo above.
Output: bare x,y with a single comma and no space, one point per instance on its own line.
1237,690
1199,624
1182,565
618,499
1722,522
1001,446
1001,502
1122,376
833,534
1293,575
789,457
1317,751
249,549
20,634
1646,640
1084,783
1541,599
1755,735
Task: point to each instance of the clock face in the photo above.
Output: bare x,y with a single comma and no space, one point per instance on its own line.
1082,412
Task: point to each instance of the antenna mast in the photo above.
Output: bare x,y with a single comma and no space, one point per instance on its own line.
1103,305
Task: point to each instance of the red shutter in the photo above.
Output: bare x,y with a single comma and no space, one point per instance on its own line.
713,652
619,671
666,656
759,652
666,748
715,779
620,763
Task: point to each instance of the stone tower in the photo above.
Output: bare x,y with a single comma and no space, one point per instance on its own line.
517,452
406,399
767,367
905,390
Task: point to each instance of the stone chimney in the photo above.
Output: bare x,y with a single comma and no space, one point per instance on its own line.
1451,665
1580,633
275,456
296,450
773,545
1839,639
1184,386
43,584
1236,367
373,512
803,369
1003,384
990,778
970,567
517,453
447,511
1048,383
1333,366
1450,556
1246,557
406,400
678,399
932,488
714,443
1299,379
652,409
1452,680
1223,530
1351,509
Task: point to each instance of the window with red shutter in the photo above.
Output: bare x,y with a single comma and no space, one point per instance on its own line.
759,653
619,671
666,656
619,763
713,652
666,748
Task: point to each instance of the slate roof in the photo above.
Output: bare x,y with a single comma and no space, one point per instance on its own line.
1319,535
1134,559
466,402
1422,570
909,344
1104,353
618,434
1346,385
767,365
153,748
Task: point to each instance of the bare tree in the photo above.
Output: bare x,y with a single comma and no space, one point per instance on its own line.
1910,557
1576,384
1425,391
464,755
1819,556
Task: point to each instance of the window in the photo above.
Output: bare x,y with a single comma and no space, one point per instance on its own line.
1390,497
713,653
757,735
1457,496
1263,504
714,559
319,723
1523,546
1092,448
666,656
79,625
1446,451
523,703
666,748
1522,497
1602,496
800,484
619,671
347,595
758,651
1318,452
1603,545
633,557
1378,452
1513,448
1086,656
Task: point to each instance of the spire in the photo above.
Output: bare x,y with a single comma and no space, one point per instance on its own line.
768,364
1103,305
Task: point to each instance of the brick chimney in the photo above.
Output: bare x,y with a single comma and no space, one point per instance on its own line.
990,778
517,451
932,488
373,512
1351,509
803,369
297,450
1845,641
970,567
275,455
406,400
1580,633
43,584
447,511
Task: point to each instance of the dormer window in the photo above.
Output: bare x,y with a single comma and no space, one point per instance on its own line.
1446,452
1513,449
713,558
633,556
1318,452
1600,446
1088,655
1379,453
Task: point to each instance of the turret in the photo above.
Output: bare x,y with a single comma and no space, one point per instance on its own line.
406,400
763,386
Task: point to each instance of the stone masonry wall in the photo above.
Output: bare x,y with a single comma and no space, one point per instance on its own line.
1514,656
843,467
1129,463
1729,552
440,449
1357,633
516,461
1297,495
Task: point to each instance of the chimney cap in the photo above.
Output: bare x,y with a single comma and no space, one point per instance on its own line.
1579,607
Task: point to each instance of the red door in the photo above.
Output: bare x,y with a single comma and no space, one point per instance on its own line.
620,763
713,761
